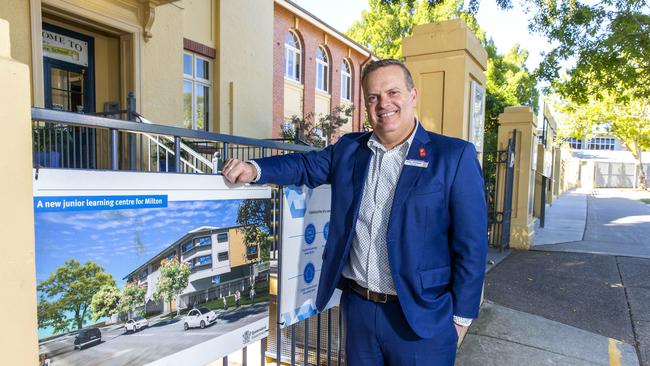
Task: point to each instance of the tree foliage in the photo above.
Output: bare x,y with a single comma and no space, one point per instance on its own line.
628,121
256,218
132,296
105,302
609,41
70,290
174,278
382,28
319,133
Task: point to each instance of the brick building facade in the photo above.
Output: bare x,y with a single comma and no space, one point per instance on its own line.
302,96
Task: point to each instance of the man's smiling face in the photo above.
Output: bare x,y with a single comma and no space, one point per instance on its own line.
390,105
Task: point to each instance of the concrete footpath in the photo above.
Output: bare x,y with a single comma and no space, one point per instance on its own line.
581,296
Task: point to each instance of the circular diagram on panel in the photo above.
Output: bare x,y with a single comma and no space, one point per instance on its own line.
309,272
326,230
310,233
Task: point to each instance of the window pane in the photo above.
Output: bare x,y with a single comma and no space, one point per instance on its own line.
59,79
202,106
60,100
202,69
187,64
187,104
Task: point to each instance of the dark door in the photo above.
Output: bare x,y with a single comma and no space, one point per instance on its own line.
69,86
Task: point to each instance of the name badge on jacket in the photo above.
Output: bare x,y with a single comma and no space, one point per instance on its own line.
417,163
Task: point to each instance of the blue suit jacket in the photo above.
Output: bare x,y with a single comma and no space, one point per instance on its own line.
437,233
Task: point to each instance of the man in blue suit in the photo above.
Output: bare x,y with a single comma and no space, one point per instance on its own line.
408,228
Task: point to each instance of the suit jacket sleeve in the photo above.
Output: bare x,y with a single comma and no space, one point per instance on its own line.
468,234
311,169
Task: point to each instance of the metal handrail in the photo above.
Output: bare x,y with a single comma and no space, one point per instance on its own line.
85,120
184,147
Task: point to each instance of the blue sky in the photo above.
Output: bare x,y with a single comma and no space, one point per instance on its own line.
121,240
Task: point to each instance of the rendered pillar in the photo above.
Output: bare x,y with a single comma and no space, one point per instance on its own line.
523,120
19,339
447,62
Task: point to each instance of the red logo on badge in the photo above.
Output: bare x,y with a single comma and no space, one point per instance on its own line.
422,152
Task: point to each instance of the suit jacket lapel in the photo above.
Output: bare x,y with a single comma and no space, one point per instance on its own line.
410,173
362,159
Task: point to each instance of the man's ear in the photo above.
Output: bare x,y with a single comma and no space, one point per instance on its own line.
414,95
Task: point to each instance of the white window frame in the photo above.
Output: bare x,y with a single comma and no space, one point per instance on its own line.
346,80
322,70
296,54
198,81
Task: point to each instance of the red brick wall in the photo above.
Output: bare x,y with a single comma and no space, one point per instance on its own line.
311,38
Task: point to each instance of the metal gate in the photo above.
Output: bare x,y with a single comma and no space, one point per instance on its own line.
498,170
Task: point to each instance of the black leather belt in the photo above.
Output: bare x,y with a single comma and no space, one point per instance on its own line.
370,295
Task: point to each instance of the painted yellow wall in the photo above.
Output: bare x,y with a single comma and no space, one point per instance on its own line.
444,58
162,69
199,21
293,102
18,341
107,62
245,77
524,121
16,12
322,105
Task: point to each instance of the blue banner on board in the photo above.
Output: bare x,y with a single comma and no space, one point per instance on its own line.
96,203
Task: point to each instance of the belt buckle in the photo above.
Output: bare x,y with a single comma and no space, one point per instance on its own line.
385,299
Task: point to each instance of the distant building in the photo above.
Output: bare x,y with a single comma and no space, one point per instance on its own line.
220,262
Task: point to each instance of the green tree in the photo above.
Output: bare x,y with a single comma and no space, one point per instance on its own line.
382,28
627,120
132,296
607,40
70,290
105,302
174,278
317,133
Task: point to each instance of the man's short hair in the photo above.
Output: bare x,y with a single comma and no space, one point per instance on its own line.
378,64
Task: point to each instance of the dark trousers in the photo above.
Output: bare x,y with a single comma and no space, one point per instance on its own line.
378,334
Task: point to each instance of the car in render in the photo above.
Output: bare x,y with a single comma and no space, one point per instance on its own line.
87,337
199,318
135,324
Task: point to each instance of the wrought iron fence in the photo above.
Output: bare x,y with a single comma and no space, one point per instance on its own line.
498,168
79,141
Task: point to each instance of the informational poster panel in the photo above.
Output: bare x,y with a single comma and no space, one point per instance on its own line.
305,226
477,115
147,268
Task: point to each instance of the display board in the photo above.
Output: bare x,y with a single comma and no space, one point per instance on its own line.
305,227
147,268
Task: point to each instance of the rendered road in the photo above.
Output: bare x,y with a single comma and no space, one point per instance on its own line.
157,341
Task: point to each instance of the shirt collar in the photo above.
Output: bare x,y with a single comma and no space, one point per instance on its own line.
373,142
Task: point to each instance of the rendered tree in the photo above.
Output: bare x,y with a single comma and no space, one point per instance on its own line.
256,217
105,302
174,278
132,296
69,292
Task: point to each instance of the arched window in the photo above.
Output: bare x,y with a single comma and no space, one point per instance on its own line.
292,55
346,81
322,70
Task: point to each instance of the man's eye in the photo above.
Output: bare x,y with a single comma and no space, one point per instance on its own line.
393,93
372,99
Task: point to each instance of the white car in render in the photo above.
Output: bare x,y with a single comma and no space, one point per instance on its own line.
199,317
135,324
